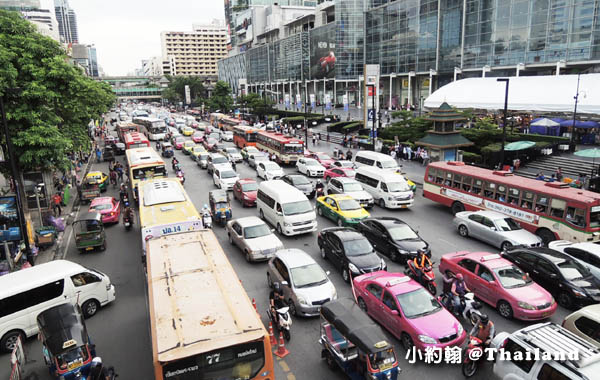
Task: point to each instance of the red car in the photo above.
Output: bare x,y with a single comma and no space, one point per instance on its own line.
323,159
498,282
210,144
198,137
407,310
178,142
108,207
328,62
245,191
334,171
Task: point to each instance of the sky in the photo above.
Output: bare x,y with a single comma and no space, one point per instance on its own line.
127,31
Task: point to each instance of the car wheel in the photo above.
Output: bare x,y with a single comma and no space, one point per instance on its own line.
261,214
292,306
381,203
279,230
90,308
320,211
457,207
323,253
9,340
230,239
248,257
329,360
394,256
340,222
346,274
505,246
463,230
407,342
505,309
565,300
362,304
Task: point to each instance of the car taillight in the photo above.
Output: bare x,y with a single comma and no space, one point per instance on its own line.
112,214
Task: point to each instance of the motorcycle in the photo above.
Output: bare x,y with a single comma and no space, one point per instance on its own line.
127,222
320,191
469,306
207,219
427,276
125,199
471,360
175,165
285,321
180,175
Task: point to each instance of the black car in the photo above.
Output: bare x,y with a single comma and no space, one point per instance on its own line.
392,237
349,251
570,283
301,183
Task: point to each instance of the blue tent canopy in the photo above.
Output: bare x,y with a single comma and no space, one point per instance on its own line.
580,124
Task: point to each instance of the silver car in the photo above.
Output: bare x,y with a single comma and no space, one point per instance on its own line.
232,154
253,158
306,286
351,187
494,228
254,237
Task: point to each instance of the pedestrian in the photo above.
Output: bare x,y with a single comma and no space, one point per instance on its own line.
425,157
98,154
319,136
119,171
56,204
404,153
314,139
341,155
335,152
349,155
409,152
559,175
111,165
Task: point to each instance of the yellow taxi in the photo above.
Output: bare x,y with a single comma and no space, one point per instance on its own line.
187,131
188,146
98,178
196,151
342,209
411,184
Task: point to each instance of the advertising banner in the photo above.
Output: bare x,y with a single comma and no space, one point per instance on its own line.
188,98
287,101
322,52
313,102
327,102
371,84
345,101
298,102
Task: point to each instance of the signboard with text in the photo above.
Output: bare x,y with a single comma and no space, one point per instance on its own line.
371,84
313,103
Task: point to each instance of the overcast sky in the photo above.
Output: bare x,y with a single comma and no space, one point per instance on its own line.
127,31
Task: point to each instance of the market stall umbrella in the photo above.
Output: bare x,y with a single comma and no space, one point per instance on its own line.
543,122
519,145
592,153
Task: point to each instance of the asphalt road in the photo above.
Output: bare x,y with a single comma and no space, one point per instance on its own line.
121,330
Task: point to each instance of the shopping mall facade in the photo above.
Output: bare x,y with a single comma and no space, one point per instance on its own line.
420,45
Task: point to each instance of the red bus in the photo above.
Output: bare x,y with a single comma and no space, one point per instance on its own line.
287,149
227,123
136,140
244,135
125,128
552,210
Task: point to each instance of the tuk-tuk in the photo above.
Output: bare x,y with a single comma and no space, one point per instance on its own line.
89,232
68,351
97,177
108,154
89,191
352,341
220,208
167,149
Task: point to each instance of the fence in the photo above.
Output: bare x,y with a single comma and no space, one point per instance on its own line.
17,360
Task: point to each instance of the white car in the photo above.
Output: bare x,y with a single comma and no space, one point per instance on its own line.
227,136
586,253
224,178
269,170
233,154
310,167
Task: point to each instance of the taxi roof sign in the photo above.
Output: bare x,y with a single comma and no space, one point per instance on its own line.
69,343
490,257
381,344
396,281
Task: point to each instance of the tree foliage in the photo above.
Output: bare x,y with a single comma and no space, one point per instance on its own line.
175,92
48,101
407,130
221,97
256,104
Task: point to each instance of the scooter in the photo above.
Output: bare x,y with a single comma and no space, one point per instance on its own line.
471,360
471,308
125,199
180,175
427,276
285,321
320,191
207,219
127,222
175,165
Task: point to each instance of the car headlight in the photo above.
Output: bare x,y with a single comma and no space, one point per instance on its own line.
301,300
427,339
553,301
353,268
578,293
459,330
525,305
383,264
390,198
286,224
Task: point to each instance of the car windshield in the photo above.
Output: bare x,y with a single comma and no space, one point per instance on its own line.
389,164
198,149
252,150
300,180
250,187
256,231
344,164
323,157
214,135
228,174
572,270
211,141
348,205
394,187
189,143
512,277
312,163
293,149
100,207
308,275
402,232
203,157
418,303
507,224
180,139
352,186
271,166
220,160
231,150
357,247
295,208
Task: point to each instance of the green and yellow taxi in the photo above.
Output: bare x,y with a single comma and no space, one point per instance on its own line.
187,131
196,151
342,209
411,184
97,178
188,146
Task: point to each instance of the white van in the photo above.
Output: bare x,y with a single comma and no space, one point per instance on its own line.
286,208
375,159
28,292
387,188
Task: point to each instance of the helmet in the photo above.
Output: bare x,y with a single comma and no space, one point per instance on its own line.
421,251
96,361
484,319
277,288
459,277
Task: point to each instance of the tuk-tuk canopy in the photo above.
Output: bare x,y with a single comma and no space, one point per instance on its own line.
62,328
89,222
166,145
90,216
355,325
218,196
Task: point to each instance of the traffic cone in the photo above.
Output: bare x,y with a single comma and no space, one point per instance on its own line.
271,335
282,352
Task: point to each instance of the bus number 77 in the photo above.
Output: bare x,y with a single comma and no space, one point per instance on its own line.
214,358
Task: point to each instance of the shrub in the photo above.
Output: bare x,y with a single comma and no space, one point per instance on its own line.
471,158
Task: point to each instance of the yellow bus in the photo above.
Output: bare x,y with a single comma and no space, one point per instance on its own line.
165,208
142,164
202,323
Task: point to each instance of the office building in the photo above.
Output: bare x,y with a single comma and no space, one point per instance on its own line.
196,52
67,22
93,60
420,45
38,12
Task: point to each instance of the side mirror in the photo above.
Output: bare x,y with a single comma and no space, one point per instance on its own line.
553,275
395,312
493,229
279,213
327,272
284,283
272,230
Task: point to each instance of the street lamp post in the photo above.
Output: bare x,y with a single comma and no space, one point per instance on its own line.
504,118
371,92
576,97
14,173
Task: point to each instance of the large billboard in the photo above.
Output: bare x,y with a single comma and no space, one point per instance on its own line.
322,52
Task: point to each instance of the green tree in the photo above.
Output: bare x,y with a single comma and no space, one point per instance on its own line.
256,105
48,101
175,92
221,97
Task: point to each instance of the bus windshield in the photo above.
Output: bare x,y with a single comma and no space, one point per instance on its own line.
251,137
149,172
158,127
293,149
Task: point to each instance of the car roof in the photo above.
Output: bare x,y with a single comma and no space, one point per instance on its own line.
246,180
344,233
396,283
215,155
387,221
552,255
249,221
294,257
490,260
100,200
345,179
592,248
489,214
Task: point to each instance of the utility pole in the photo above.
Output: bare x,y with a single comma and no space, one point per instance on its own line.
504,119
576,97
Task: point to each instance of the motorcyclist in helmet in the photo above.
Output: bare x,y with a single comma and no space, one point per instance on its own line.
277,301
458,290
421,261
97,370
484,330
122,192
128,214
174,161
320,188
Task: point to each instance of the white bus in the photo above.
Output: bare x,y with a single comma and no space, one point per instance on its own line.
153,128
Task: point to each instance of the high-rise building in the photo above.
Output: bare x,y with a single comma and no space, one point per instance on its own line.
38,12
152,67
67,22
93,58
195,52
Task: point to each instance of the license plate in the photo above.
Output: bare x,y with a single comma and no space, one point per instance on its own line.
73,365
89,248
404,206
221,210
545,313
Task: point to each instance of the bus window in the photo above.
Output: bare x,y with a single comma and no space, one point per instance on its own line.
513,196
467,183
431,175
490,187
557,208
448,180
501,193
595,217
527,200
457,181
477,185
576,216
541,204
440,177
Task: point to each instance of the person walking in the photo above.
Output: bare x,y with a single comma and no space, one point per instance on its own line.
98,154
56,204
119,170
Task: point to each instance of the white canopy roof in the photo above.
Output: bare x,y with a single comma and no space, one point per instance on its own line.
549,93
